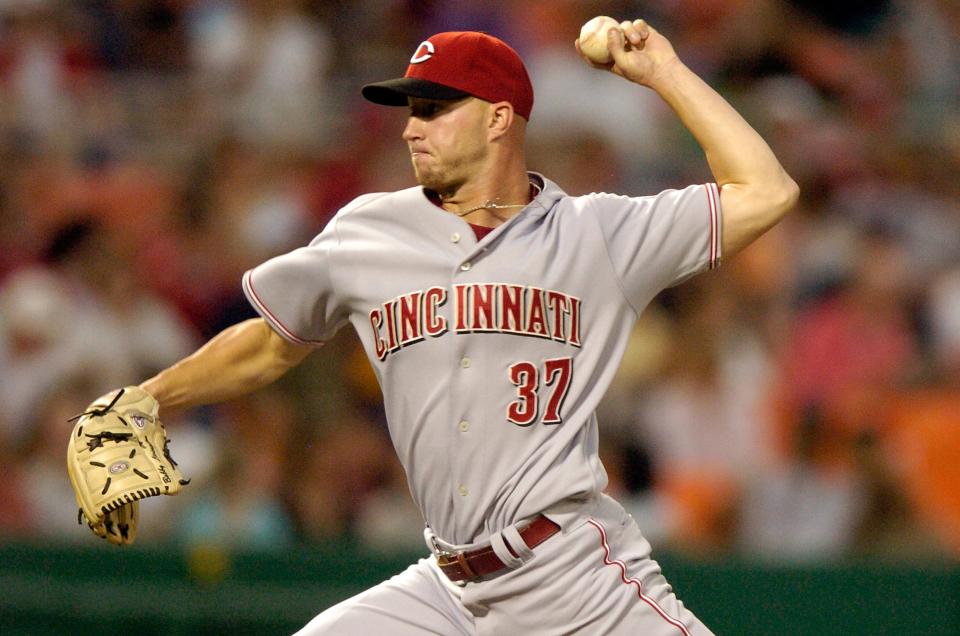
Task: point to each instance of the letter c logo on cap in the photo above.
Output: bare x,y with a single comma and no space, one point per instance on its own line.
423,53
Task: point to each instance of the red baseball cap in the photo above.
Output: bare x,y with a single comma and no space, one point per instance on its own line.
456,64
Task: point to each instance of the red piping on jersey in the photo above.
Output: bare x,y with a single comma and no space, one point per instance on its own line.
248,280
632,581
713,204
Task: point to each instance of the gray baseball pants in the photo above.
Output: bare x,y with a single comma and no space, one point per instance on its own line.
594,577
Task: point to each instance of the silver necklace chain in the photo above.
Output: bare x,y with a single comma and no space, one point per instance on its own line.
490,205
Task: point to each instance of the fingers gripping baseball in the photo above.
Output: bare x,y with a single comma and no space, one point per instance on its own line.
634,50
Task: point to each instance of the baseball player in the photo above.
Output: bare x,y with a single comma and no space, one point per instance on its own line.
495,309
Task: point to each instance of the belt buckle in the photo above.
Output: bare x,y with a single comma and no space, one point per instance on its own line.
443,556
447,558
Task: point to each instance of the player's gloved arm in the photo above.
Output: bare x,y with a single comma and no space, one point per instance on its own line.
240,359
755,190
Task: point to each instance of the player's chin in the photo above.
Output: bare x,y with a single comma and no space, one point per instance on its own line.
428,178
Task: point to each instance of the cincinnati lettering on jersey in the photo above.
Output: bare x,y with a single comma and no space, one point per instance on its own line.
477,308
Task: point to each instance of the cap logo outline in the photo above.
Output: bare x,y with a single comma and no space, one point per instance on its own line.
419,57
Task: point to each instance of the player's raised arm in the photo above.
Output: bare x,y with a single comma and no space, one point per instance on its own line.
755,190
241,359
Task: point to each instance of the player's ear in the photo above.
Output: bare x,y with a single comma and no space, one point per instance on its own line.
500,119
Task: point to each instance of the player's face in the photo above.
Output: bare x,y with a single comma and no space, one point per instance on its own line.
447,141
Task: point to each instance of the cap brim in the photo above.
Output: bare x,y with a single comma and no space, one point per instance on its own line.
396,91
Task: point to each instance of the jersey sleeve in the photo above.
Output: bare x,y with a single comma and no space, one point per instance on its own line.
294,293
659,241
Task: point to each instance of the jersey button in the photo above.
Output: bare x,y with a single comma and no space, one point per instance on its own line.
455,237
466,267
464,426
463,491
465,362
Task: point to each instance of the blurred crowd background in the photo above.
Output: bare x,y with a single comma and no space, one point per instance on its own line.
801,403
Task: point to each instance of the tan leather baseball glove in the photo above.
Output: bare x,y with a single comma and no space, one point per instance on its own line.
118,454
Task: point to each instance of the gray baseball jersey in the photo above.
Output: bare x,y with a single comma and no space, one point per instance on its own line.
492,355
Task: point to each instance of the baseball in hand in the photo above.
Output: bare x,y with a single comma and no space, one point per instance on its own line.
593,38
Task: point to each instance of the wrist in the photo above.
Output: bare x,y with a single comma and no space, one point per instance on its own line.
666,75
154,388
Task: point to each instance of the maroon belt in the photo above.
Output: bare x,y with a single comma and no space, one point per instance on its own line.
470,566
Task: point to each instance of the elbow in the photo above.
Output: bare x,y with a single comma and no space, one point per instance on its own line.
748,212
762,203
778,199
789,195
